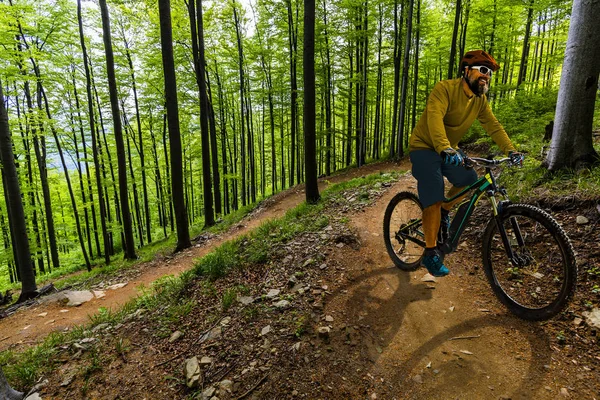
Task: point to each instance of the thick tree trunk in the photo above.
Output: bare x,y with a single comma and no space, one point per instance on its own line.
18,226
572,145
129,244
6,392
166,39
310,161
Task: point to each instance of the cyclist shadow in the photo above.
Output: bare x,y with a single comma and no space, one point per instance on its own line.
377,303
523,382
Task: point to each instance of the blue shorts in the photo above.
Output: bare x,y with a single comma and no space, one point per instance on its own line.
429,171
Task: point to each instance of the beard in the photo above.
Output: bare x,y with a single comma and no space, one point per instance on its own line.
479,86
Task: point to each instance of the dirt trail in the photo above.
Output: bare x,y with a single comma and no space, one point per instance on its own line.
450,339
28,325
445,340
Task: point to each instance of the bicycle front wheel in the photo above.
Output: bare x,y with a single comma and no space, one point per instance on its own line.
538,281
403,231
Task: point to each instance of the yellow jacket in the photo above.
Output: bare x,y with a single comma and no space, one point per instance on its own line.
451,109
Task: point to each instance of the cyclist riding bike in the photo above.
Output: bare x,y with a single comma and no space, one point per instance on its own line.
451,109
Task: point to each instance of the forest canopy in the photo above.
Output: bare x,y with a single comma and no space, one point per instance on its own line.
375,63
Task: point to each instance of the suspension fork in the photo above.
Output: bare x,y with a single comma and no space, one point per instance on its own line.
498,211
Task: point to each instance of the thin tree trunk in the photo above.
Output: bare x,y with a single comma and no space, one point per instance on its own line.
403,95
454,36
95,152
129,244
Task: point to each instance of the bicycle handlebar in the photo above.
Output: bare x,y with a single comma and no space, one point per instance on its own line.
472,161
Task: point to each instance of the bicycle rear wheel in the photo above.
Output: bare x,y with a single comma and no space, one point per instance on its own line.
403,231
540,279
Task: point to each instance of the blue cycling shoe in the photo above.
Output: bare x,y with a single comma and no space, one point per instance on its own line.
433,260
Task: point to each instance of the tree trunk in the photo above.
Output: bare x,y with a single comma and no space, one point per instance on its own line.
18,226
70,188
166,39
95,152
404,90
140,146
242,106
451,61
197,28
310,161
397,53
572,145
525,54
293,48
6,392
129,245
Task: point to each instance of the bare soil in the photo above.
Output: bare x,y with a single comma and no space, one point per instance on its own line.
355,326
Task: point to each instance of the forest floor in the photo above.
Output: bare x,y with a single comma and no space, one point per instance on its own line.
333,320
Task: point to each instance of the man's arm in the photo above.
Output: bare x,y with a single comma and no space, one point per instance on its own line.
494,129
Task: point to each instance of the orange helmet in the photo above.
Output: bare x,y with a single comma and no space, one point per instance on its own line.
478,57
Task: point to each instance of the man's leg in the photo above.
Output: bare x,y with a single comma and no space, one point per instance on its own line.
430,185
431,224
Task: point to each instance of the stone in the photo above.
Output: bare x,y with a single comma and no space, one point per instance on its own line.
74,298
99,294
324,332
577,321
100,327
417,379
428,278
329,318
593,317
292,280
245,300
273,293
282,304
323,266
206,360
175,336
193,375
42,314
564,392
581,220
117,286
34,396
226,386
265,330
208,393
214,333
225,321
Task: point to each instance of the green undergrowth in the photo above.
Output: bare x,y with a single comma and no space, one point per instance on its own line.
170,294
524,117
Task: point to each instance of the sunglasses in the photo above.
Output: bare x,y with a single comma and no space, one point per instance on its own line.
483,69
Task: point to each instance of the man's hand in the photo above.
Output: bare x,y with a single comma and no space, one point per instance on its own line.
451,157
516,158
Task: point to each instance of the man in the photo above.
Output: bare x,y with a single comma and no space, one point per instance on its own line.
452,107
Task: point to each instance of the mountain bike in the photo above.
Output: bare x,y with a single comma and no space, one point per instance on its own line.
527,257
